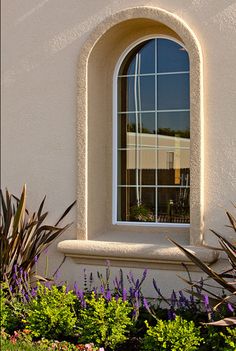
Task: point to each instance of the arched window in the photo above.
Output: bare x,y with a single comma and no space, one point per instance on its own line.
152,134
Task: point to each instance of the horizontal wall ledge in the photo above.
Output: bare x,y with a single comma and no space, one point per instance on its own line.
134,254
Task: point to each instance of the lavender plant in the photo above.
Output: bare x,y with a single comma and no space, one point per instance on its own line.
225,280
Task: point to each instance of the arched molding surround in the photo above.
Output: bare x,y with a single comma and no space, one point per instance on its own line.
98,58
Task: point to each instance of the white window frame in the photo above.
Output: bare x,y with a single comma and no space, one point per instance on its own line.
115,141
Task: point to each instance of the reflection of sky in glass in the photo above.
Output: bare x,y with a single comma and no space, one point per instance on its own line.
174,121
171,57
153,132
147,58
173,92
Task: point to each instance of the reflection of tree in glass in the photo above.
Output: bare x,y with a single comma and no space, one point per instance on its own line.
172,132
131,127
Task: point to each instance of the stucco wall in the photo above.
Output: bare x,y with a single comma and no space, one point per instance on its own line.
41,42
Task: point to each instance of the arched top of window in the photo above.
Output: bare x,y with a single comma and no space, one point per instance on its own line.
152,151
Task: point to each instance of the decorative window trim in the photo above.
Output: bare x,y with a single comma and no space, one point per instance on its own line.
83,246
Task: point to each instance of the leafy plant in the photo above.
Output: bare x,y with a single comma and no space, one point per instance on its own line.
230,339
104,322
51,313
23,236
225,279
175,335
141,213
5,310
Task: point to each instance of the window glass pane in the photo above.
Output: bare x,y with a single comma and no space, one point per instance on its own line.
136,167
127,129
147,93
153,153
148,123
173,205
130,210
145,62
173,167
136,94
173,124
171,57
126,94
147,57
173,92
167,142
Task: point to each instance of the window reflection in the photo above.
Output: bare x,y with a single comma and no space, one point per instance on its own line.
153,179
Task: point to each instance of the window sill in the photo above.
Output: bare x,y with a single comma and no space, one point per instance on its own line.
138,255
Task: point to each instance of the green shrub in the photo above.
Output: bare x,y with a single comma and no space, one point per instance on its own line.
230,339
175,335
104,322
51,314
12,312
5,310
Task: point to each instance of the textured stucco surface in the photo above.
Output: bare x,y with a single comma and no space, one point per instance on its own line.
107,43
41,45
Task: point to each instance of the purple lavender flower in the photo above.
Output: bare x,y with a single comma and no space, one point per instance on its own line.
108,295
171,314
76,288
34,292
206,301
36,259
230,307
80,294
48,285
145,304
145,273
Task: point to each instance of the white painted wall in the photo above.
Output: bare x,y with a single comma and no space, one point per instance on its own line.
41,41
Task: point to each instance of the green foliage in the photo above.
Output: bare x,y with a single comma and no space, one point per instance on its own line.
23,236
5,310
230,339
141,213
51,314
175,335
104,322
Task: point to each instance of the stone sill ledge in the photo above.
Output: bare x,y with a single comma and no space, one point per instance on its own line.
134,254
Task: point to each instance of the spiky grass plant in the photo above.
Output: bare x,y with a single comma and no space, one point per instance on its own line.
24,236
226,279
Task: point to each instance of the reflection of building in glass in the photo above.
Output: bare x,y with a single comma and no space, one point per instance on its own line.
162,185
153,115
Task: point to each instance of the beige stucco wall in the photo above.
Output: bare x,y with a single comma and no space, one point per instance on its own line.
41,43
